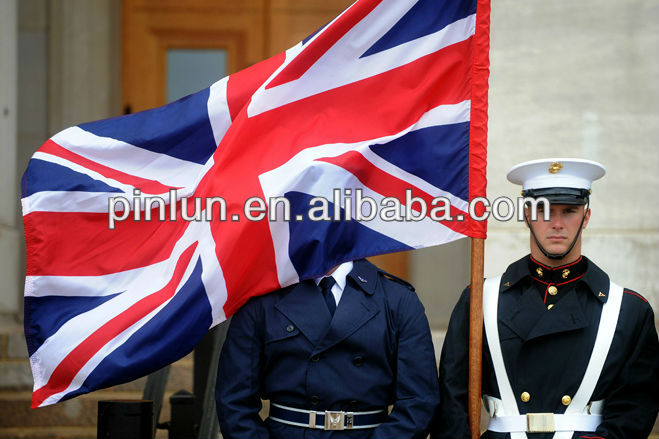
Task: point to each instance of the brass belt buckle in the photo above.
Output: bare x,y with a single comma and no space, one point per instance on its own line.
540,423
334,420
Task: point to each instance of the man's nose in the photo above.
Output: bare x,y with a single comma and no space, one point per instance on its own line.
556,221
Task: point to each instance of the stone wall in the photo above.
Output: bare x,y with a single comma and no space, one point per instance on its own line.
579,79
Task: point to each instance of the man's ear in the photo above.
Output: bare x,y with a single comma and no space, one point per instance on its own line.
586,218
527,219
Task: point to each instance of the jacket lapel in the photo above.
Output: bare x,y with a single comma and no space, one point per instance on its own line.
529,318
567,315
305,307
354,310
521,313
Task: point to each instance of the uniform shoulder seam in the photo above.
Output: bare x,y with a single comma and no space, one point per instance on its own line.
397,279
634,293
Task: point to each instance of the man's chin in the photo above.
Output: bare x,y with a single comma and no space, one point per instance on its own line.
556,249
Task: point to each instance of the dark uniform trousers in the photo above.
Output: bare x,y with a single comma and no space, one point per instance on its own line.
546,352
375,352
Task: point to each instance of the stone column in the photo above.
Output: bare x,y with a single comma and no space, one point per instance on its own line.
9,233
84,62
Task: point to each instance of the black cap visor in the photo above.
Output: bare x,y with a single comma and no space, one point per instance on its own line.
560,195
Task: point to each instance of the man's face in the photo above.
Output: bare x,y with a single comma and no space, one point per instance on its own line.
556,234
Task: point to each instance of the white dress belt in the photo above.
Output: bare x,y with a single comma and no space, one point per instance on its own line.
542,422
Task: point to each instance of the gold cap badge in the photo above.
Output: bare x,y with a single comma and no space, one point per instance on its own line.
555,167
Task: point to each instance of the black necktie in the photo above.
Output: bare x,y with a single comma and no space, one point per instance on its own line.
326,285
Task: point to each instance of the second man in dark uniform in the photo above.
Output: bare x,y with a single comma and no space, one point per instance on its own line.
566,352
332,359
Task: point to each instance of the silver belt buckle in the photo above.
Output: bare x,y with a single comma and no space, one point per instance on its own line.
540,423
334,420
350,421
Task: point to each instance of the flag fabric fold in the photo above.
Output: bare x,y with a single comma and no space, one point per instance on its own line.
388,101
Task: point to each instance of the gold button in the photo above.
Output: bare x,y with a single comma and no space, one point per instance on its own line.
566,400
552,290
550,306
526,397
539,271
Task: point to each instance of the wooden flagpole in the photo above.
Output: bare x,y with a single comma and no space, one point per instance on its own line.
476,335
477,186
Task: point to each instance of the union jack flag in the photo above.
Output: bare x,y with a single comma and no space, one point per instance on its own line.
390,95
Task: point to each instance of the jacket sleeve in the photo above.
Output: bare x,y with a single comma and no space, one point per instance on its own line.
630,409
453,420
416,387
238,378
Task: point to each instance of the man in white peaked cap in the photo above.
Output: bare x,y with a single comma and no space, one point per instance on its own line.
566,352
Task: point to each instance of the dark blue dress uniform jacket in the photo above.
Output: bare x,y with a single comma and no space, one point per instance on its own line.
546,352
376,351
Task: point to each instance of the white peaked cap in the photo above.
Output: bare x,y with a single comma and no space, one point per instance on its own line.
556,172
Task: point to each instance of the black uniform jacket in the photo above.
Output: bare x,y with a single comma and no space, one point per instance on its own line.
376,351
546,341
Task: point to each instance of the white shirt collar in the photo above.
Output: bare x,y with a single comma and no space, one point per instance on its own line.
340,276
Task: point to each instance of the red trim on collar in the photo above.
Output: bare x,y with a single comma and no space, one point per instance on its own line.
561,283
555,268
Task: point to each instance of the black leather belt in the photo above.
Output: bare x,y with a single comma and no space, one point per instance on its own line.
328,419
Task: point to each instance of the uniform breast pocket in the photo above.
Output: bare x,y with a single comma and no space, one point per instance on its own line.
284,345
506,333
280,331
